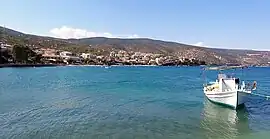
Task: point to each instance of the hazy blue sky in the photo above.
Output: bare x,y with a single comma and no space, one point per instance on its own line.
215,23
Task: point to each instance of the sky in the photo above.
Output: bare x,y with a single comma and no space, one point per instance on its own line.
243,24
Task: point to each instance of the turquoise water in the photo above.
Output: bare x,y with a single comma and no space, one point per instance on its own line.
124,103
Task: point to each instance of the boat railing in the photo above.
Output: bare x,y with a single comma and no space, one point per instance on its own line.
248,86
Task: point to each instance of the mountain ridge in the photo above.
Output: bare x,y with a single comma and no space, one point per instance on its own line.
166,41
104,45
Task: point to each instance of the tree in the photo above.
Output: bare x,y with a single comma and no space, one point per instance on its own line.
23,54
202,63
20,54
186,62
4,56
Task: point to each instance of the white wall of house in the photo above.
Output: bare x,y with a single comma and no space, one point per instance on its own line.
65,54
86,55
4,46
68,56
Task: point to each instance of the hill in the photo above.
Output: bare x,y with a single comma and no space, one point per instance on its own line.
103,46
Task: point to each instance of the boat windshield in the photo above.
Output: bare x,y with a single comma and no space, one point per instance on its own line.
222,76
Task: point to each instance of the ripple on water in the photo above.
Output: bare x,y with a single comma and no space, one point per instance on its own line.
121,102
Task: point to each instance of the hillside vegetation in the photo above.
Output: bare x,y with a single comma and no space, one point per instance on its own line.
104,46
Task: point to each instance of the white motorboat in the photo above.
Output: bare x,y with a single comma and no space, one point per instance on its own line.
229,91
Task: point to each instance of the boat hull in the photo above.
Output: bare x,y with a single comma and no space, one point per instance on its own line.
232,99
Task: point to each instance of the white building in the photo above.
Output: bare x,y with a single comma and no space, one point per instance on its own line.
65,54
160,60
4,46
100,57
69,56
152,62
112,54
86,55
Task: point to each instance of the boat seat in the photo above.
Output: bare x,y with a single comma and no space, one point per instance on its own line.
237,81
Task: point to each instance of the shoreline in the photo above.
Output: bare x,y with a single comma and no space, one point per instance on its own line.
54,65
132,65
71,65
27,65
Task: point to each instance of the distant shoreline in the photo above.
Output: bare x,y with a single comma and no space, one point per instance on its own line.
134,65
54,65
27,65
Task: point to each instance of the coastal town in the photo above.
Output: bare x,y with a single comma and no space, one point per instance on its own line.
19,49
121,57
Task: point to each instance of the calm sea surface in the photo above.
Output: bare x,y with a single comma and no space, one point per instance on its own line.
125,103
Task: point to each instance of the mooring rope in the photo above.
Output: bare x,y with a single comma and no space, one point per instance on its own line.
261,95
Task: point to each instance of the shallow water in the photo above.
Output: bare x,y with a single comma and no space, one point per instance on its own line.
124,102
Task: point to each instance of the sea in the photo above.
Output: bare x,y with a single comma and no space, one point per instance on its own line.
126,102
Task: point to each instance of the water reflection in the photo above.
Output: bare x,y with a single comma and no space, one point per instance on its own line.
221,122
